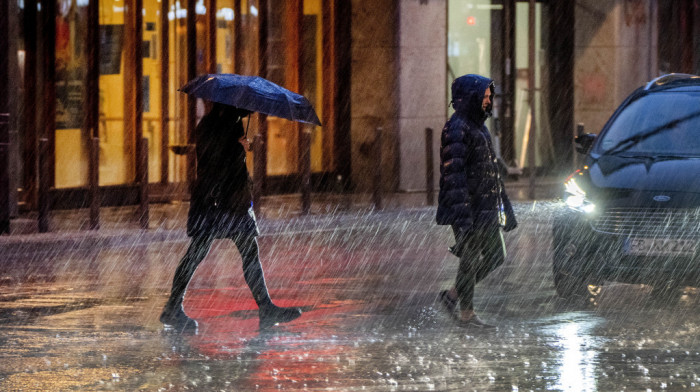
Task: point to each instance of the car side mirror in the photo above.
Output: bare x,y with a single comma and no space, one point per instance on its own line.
584,142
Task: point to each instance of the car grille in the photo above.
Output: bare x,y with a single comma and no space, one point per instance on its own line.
649,222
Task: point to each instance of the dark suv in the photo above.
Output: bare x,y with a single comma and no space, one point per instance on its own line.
633,208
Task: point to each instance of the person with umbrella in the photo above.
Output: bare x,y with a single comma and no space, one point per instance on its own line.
221,207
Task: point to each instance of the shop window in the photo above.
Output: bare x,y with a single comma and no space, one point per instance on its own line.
115,148
285,69
470,50
71,142
177,30
151,85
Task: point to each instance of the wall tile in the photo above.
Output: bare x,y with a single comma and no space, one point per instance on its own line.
422,86
422,23
412,151
374,23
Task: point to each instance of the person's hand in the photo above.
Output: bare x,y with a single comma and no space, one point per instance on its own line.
245,143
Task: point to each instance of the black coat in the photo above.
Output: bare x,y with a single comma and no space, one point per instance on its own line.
471,189
221,203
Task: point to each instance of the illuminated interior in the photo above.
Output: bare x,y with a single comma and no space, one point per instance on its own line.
469,50
117,143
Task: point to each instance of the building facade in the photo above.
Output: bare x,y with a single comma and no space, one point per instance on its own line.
92,85
588,56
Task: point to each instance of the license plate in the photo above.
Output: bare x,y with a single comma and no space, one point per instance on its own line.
660,247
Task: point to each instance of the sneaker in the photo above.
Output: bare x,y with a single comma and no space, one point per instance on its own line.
475,323
272,315
453,249
177,321
448,303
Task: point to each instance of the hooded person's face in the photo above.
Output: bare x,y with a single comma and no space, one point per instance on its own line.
486,103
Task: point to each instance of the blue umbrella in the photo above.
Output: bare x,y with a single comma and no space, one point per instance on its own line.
252,93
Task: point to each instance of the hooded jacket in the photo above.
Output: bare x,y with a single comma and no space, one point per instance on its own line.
471,189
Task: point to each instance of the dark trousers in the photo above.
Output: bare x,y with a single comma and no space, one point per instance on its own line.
199,248
481,251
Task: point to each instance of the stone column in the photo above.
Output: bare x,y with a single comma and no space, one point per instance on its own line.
615,52
373,91
422,86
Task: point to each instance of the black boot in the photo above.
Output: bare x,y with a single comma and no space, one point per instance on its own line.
173,316
272,315
174,319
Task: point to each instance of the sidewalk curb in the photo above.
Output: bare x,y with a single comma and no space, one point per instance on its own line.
171,227
77,240
84,240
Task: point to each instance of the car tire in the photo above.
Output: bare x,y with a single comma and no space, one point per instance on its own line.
570,283
666,292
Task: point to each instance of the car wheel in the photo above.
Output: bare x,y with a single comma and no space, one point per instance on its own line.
571,283
666,292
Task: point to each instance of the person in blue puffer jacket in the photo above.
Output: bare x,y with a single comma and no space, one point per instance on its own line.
472,198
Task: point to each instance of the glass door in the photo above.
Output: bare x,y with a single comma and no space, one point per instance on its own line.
544,151
71,151
151,85
295,62
475,45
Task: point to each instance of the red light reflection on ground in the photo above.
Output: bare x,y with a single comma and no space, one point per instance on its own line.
228,320
304,351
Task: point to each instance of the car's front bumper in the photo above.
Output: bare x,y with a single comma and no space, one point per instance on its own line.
609,252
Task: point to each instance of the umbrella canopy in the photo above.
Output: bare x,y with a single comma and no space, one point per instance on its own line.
252,93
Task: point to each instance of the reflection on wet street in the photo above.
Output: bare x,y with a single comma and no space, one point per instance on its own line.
88,320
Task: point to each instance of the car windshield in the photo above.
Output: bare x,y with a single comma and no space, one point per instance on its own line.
664,123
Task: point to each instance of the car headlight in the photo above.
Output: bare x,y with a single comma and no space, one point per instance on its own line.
575,197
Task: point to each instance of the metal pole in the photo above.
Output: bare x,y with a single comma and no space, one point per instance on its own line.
164,91
238,37
191,100
92,112
306,169
44,186
4,119
211,47
47,119
94,183
377,183
4,181
508,129
4,177
579,131
531,97
143,184
296,25
29,111
429,176
259,147
258,171
138,80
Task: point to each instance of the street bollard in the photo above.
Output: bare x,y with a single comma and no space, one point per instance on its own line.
4,189
429,172
94,186
258,172
143,184
578,132
4,173
305,160
377,179
44,186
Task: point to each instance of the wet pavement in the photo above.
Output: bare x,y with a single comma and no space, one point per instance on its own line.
84,318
